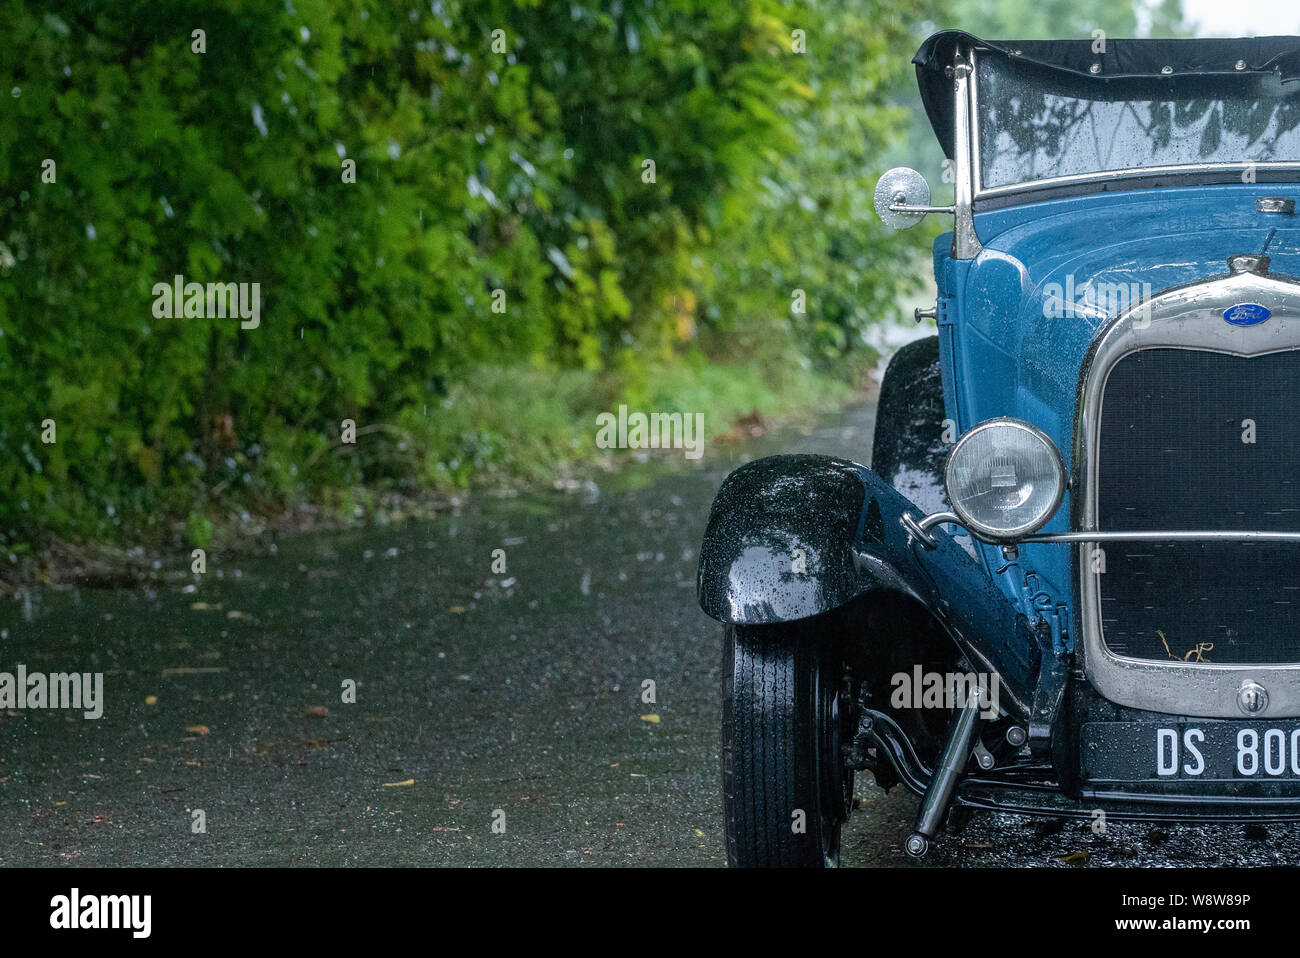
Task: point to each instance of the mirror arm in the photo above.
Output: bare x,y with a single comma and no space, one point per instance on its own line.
905,208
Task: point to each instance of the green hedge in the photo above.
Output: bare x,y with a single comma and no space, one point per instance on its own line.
484,161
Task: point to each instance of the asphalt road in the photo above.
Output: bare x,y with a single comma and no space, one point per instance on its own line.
481,697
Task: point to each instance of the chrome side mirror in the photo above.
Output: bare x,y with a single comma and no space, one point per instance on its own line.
902,198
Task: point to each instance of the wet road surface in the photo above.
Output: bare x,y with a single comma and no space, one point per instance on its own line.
511,697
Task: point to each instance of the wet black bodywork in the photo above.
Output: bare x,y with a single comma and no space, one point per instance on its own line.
816,504
908,451
780,540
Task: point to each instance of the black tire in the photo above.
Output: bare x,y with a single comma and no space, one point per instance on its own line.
782,727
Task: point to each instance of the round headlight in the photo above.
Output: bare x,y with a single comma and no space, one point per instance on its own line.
1005,479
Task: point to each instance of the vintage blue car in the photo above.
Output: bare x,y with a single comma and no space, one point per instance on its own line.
1069,584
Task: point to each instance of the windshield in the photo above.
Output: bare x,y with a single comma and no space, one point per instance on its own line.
1029,131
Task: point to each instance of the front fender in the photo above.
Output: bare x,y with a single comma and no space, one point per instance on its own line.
793,536
779,543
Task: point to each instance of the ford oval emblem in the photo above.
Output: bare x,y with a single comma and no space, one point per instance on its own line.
1246,314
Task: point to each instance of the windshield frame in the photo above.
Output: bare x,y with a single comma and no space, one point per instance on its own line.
1104,180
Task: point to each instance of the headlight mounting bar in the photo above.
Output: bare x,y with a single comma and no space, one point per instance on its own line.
918,530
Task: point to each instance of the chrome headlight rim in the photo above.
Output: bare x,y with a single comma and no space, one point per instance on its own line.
979,529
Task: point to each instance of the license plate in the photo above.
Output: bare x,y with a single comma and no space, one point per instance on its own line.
1196,751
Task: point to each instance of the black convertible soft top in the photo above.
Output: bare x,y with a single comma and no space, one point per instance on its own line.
1125,67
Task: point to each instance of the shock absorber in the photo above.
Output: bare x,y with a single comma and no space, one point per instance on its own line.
956,752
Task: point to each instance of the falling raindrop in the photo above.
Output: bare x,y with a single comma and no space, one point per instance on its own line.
259,119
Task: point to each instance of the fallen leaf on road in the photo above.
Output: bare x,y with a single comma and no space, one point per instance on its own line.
1078,858
236,614
197,729
151,700
698,833
456,609
650,718
205,607
409,781
320,710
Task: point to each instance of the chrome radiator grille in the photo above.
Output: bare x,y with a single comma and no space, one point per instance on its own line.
1194,439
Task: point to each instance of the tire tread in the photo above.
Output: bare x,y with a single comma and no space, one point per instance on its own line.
768,769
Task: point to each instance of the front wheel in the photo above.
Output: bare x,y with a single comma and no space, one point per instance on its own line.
785,788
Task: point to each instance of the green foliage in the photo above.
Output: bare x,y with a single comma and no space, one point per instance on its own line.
198,530
1065,19
476,170
810,225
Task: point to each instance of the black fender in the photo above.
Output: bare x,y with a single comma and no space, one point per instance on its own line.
908,450
795,536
